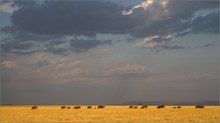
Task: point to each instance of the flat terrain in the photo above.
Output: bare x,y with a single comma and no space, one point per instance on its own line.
109,114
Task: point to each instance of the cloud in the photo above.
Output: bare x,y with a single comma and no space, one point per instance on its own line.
8,7
127,12
129,68
17,46
148,42
20,42
200,13
76,44
147,4
63,64
8,64
34,30
159,42
42,66
66,69
175,47
105,17
95,16
206,24
153,41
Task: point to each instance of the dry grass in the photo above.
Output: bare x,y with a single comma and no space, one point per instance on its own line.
109,114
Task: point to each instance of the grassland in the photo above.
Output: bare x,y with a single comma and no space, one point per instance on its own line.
109,114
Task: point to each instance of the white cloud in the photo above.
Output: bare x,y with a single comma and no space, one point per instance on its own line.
8,7
147,4
167,37
144,44
64,66
185,31
153,41
127,12
148,42
148,39
164,3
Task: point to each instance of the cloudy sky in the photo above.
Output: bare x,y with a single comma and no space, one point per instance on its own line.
109,51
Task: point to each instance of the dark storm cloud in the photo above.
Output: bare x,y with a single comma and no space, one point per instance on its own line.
92,17
177,10
52,20
76,45
23,36
73,17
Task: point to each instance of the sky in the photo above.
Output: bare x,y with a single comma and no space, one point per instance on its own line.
109,51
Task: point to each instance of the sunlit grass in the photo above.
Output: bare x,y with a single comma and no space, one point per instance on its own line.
109,114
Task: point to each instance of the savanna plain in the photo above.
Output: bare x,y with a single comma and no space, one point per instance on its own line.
209,114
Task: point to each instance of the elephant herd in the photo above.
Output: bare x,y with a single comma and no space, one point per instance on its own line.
130,107
163,106
135,107
78,107
145,106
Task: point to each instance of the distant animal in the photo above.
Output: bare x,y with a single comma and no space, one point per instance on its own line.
144,106
68,107
101,106
135,107
63,107
161,106
174,107
77,107
179,107
199,106
131,106
89,107
34,107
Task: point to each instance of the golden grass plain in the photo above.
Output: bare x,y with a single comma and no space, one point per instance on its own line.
209,114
